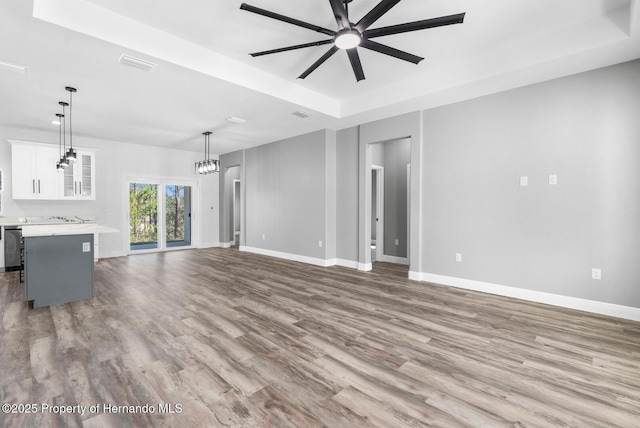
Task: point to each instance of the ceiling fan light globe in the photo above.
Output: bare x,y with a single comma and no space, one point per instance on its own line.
347,39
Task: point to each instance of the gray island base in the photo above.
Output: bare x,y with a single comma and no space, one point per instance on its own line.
58,269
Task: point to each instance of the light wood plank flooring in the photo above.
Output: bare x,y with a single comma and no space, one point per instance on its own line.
240,340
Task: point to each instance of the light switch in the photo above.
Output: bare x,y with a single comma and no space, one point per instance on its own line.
524,181
86,247
459,257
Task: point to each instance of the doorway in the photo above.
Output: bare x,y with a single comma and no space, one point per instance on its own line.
159,215
236,212
377,212
388,212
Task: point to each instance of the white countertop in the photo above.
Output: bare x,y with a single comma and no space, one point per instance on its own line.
21,221
32,230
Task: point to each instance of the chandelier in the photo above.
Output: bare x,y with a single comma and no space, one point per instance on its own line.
207,166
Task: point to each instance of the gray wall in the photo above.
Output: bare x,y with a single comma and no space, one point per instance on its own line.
286,195
347,194
584,128
396,156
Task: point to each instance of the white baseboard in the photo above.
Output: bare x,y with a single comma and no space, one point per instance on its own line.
366,267
603,308
288,256
347,263
225,244
209,245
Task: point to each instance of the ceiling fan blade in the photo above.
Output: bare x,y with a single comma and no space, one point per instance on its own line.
388,50
354,58
319,62
414,26
290,48
340,13
286,19
374,14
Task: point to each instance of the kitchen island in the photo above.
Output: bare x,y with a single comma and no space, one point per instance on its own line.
59,261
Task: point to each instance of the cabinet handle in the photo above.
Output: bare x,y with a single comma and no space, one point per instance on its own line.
75,187
38,186
33,184
80,183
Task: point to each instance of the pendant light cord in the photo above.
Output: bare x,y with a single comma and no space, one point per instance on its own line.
60,135
64,133
70,122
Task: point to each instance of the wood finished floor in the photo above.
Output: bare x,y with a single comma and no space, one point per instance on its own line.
242,340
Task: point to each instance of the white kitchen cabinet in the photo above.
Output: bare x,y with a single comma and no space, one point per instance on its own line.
33,171
79,179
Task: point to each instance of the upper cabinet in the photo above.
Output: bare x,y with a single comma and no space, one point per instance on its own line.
34,174
79,180
33,171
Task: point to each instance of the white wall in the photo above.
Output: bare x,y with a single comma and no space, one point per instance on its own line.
115,161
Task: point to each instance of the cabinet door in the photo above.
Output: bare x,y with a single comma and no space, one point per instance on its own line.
69,184
23,172
86,175
47,176
79,179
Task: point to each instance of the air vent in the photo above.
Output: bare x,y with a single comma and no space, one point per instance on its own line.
302,114
137,63
12,68
234,119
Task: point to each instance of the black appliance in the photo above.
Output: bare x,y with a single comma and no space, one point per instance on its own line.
12,248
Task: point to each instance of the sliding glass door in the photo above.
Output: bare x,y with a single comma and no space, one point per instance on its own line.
178,215
159,215
143,216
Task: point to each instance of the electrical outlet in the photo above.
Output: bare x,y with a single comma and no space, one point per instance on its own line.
397,242
553,180
596,273
320,244
524,181
264,236
459,257
44,210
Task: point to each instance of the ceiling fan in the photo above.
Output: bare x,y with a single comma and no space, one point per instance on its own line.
349,35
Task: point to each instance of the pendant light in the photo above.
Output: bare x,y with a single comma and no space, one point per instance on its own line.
62,163
71,153
207,166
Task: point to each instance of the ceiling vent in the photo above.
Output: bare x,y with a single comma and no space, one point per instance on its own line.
137,63
12,68
234,119
302,114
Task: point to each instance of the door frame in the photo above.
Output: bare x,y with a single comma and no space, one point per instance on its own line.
379,212
408,125
161,182
237,196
